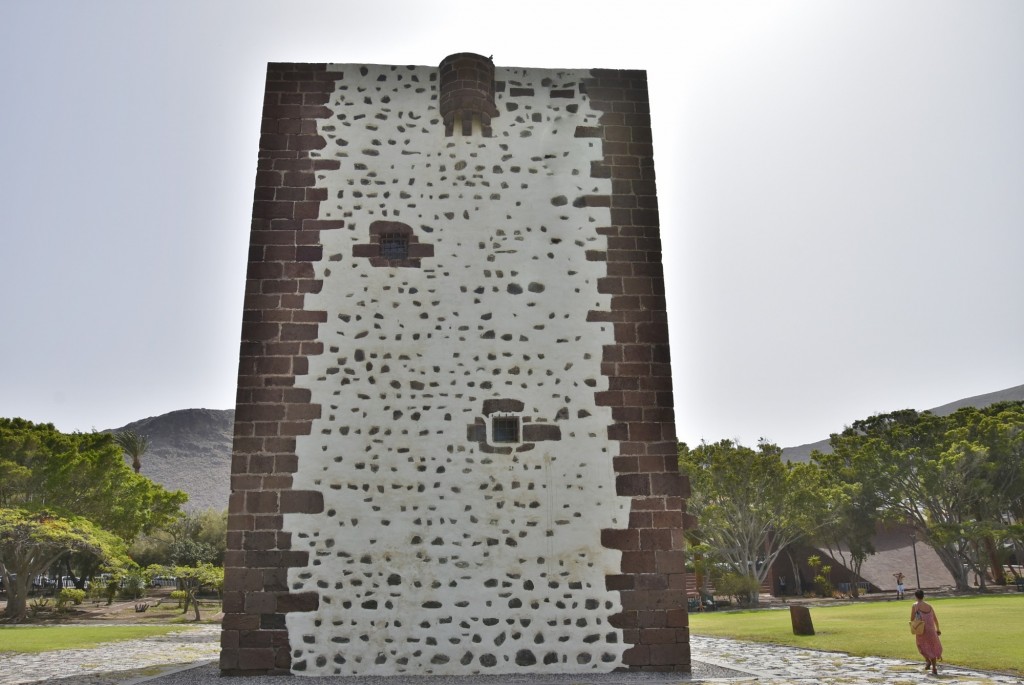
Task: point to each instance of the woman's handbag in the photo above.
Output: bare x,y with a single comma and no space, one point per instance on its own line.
917,624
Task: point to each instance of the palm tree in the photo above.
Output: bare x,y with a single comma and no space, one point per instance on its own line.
134,445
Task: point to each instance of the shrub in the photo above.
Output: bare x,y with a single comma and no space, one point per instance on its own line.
821,575
69,595
133,585
738,586
38,606
178,596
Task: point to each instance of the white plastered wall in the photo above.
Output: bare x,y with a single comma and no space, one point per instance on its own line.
436,555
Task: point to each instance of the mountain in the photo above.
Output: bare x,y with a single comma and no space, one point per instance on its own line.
190,450
802,453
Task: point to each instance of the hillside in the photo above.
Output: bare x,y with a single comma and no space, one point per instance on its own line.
802,453
190,450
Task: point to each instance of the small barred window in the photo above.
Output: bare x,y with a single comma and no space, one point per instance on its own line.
394,246
505,429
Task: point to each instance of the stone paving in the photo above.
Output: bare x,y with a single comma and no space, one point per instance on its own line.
113,663
775,665
185,658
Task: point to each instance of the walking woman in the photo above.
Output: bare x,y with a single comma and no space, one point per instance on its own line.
928,642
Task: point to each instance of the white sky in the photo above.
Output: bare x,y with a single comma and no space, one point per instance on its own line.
841,187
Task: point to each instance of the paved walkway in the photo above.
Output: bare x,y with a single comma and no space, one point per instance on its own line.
187,658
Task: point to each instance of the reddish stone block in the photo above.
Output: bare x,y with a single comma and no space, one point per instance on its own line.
541,432
302,502
615,538
258,502
652,333
640,519
669,484
231,603
649,504
282,660
655,539
240,522
671,561
306,601
260,463
308,253
295,427
259,331
294,558
255,659
624,620
677,581
228,659
651,581
638,562
650,618
633,484
272,209
274,579
306,210
286,463
241,622
653,636
677,618
260,603
619,582
652,463
645,431
627,414
258,540
623,464
618,431
306,142
670,655
637,655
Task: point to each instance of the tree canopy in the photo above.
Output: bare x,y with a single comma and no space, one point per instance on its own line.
81,474
750,504
31,542
958,479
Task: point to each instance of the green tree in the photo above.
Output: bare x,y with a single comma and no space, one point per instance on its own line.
195,578
750,504
134,445
31,542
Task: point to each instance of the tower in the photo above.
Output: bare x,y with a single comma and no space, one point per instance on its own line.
454,444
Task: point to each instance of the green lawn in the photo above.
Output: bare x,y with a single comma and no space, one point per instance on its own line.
984,632
48,638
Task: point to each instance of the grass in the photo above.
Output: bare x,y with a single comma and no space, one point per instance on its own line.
33,639
985,632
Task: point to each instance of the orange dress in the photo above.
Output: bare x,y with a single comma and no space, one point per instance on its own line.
928,642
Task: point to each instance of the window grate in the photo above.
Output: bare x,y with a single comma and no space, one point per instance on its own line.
394,246
505,429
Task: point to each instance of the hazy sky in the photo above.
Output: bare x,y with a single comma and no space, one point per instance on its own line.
841,187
